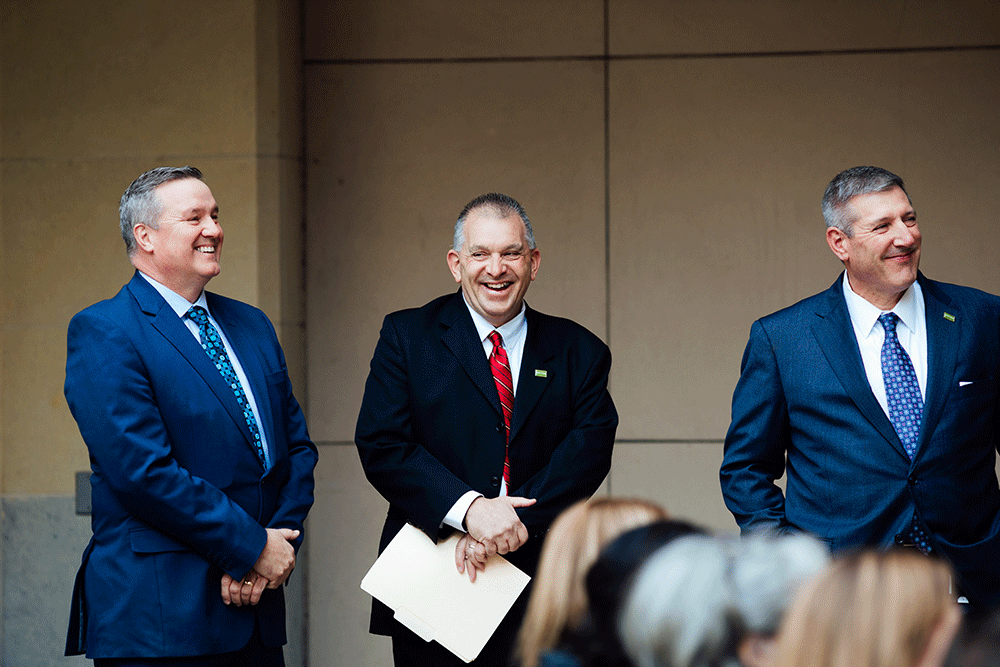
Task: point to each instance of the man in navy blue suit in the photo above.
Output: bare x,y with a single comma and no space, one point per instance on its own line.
202,467
878,399
483,415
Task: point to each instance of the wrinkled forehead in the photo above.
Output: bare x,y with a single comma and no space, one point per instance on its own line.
489,230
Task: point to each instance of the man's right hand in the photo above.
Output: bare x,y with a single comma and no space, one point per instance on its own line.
494,522
277,560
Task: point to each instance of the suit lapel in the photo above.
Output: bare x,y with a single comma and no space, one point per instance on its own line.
461,338
536,355
943,338
835,334
165,321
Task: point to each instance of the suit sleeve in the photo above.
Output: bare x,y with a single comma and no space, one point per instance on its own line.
582,459
112,399
757,440
402,470
296,496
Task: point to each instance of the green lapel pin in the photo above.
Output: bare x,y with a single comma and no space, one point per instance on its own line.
539,373
949,317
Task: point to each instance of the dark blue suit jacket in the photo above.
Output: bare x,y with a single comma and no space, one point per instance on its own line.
431,426
803,393
178,493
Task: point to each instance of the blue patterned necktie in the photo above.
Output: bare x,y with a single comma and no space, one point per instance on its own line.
212,344
906,406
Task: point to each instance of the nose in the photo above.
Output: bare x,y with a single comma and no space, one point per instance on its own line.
495,266
211,228
906,235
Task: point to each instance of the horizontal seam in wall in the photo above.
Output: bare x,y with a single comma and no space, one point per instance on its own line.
651,56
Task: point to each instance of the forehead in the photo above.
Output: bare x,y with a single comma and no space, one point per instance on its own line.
186,194
874,206
487,230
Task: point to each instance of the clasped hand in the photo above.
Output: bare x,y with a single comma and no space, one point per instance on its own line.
494,528
272,568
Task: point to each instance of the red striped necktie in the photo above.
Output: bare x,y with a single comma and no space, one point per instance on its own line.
505,387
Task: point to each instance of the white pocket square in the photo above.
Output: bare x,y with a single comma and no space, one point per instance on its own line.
962,383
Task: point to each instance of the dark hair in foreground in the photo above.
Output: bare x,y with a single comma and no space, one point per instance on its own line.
139,204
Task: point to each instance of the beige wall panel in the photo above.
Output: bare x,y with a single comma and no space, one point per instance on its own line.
148,74
737,26
343,530
394,152
42,447
717,170
683,477
388,29
63,219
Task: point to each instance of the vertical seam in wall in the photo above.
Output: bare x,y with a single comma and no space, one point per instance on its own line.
304,282
607,192
607,181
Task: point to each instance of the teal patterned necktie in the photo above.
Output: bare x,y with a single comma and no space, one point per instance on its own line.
212,344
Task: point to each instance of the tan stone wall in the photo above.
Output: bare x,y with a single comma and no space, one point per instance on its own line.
674,189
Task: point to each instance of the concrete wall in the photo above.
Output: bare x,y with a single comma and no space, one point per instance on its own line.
671,155
93,94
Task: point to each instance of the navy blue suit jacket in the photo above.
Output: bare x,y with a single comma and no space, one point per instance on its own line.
431,426
178,493
803,394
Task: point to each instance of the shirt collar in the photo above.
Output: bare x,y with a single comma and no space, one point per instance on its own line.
864,314
177,303
507,330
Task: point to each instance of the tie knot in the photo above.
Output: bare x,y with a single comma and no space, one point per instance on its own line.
197,314
496,339
888,321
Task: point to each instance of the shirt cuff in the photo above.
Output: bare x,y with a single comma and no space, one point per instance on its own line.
456,515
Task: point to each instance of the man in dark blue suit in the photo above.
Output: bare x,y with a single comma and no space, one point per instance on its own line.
882,392
202,468
483,415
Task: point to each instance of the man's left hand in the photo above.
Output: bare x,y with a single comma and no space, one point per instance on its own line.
243,591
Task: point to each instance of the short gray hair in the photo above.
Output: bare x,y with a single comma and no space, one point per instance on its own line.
139,204
500,205
851,183
696,599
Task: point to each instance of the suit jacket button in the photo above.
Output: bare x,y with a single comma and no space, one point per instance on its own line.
911,479
500,427
495,481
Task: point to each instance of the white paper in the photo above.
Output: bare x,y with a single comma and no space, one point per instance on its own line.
419,581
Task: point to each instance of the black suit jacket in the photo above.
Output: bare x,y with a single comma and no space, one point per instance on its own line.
803,393
431,426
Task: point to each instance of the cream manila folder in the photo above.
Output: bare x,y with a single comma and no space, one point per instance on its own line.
418,580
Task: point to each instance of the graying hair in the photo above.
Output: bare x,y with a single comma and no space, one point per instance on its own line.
139,203
696,599
497,204
851,183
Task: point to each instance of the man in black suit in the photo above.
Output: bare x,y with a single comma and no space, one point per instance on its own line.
483,415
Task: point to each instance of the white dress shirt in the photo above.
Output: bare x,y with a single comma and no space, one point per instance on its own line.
181,306
911,330
513,334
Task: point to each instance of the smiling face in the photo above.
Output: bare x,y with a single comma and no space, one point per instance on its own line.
182,253
495,265
883,253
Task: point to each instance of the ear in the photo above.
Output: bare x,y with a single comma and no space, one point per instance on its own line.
142,237
838,242
455,265
535,258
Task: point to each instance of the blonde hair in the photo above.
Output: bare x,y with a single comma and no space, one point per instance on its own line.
558,599
867,609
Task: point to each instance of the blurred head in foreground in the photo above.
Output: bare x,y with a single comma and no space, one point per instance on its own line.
558,600
715,602
872,609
